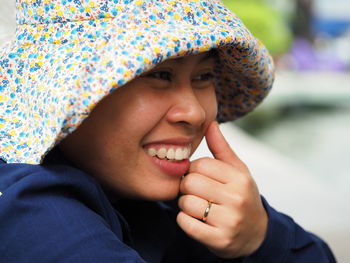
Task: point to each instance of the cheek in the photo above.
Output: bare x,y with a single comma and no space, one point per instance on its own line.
144,115
131,111
148,110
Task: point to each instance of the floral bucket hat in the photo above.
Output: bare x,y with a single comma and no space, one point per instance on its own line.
68,54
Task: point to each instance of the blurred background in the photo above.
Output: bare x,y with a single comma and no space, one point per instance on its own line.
301,133
297,143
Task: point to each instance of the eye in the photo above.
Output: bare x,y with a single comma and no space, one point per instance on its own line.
162,75
203,80
207,76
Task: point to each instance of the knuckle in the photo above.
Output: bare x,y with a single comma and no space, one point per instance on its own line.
189,182
186,184
192,228
225,242
240,202
236,201
181,202
236,223
200,164
185,202
247,182
244,167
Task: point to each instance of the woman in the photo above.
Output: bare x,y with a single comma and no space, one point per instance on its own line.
104,102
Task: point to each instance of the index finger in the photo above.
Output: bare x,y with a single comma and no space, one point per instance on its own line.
215,169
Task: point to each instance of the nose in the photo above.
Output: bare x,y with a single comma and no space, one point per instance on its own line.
186,108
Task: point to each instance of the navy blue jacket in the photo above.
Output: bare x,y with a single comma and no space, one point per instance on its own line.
56,213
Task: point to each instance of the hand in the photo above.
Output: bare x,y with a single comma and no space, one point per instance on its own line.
237,221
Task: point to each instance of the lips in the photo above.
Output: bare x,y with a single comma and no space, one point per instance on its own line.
172,159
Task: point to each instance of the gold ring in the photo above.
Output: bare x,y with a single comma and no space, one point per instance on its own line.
206,212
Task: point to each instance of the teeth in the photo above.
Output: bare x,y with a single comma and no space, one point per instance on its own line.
152,151
187,152
171,154
177,154
161,153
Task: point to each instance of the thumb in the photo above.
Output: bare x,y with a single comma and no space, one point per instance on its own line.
219,147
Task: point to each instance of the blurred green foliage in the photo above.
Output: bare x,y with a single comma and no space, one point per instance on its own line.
264,22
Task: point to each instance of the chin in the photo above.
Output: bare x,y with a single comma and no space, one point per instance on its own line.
158,187
157,192
159,195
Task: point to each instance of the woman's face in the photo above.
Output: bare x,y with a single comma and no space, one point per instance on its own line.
137,141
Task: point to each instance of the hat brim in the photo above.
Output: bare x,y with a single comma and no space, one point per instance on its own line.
54,74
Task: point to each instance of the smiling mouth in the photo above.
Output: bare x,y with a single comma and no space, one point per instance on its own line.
170,153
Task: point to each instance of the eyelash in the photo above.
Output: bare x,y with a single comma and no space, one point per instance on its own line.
207,77
160,75
167,76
